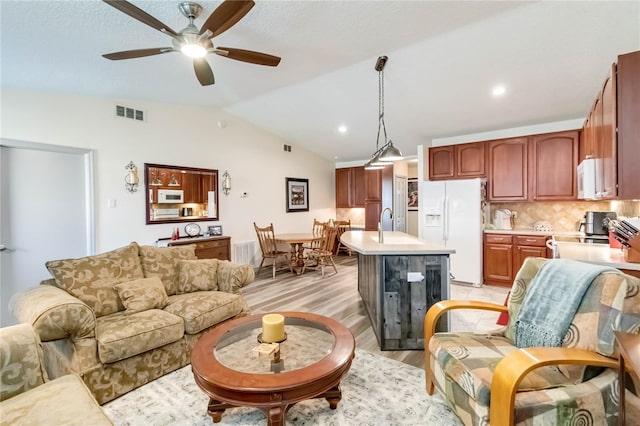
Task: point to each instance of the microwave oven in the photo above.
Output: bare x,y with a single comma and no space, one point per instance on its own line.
588,179
170,196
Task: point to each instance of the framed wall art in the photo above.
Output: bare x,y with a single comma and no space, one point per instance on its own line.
412,194
297,195
214,230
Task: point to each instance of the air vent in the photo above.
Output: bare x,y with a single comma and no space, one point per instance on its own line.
287,148
128,112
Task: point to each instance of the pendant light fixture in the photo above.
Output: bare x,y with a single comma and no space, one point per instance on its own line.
387,153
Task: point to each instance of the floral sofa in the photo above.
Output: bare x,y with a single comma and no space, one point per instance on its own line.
123,318
28,397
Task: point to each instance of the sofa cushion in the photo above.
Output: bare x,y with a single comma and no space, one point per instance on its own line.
470,360
203,309
63,401
91,279
198,275
164,262
142,294
122,336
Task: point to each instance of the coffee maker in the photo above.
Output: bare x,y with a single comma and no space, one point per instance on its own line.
596,229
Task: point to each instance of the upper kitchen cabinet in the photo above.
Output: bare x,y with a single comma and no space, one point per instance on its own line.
628,136
554,158
441,162
607,137
350,187
464,161
612,131
470,160
344,186
508,169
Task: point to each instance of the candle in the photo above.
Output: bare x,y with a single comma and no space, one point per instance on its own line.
272,328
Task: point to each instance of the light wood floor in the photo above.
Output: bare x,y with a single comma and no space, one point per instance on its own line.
336,296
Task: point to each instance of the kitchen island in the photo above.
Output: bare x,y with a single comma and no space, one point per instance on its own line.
399,281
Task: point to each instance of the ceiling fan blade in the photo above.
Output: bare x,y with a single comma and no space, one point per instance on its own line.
139,14
226,16
248,56
203,71
139,53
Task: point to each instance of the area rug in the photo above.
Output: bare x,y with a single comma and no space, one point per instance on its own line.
376,391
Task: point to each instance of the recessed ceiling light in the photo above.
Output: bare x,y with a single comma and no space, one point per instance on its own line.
343,129
499,90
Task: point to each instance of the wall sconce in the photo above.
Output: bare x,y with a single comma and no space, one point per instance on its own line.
226,183
131,180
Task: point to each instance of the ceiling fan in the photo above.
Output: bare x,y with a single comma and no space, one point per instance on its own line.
193,42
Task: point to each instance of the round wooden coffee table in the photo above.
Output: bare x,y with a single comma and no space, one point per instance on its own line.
314,358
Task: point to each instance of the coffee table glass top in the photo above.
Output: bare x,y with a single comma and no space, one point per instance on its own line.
307,343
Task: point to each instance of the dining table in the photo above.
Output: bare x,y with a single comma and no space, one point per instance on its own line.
296,241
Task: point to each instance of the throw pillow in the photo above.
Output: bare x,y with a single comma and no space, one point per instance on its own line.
198,275
164,262
143,294
91,279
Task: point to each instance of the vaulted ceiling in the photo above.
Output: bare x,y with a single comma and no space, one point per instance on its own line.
444,59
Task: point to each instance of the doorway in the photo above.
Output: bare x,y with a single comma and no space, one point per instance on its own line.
400,203
45,213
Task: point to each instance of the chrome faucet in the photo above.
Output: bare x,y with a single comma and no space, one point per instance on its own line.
380,234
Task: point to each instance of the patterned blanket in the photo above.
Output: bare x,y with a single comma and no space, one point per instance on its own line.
551,302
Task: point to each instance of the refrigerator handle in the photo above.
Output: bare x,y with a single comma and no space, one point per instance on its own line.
444,218
447,219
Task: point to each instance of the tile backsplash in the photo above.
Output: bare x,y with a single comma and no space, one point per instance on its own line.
356,215
563,215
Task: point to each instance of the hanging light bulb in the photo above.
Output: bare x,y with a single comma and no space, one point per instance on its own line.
388,153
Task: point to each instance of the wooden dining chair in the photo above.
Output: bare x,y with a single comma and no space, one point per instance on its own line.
323,254
269,247
317,231
342,226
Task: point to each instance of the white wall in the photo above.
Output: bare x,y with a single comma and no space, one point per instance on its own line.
176,135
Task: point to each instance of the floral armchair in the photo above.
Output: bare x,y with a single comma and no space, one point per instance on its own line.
487,379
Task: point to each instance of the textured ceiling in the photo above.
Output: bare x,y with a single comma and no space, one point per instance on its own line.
444,58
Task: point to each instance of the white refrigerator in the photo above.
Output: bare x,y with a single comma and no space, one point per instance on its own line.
453,214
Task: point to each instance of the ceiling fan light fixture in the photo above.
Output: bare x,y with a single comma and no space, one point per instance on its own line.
194,50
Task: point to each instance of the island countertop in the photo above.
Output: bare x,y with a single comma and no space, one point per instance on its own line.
366,242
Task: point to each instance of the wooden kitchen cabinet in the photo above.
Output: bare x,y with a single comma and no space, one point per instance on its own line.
504,254
208,248
628,135
441,162
343,188
508,169
612,131
470,160
464,161
554,158
608,139
379,195
498,259
350,187
528,246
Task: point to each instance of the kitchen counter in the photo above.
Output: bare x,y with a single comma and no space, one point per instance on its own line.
532,232
395,243
600,254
